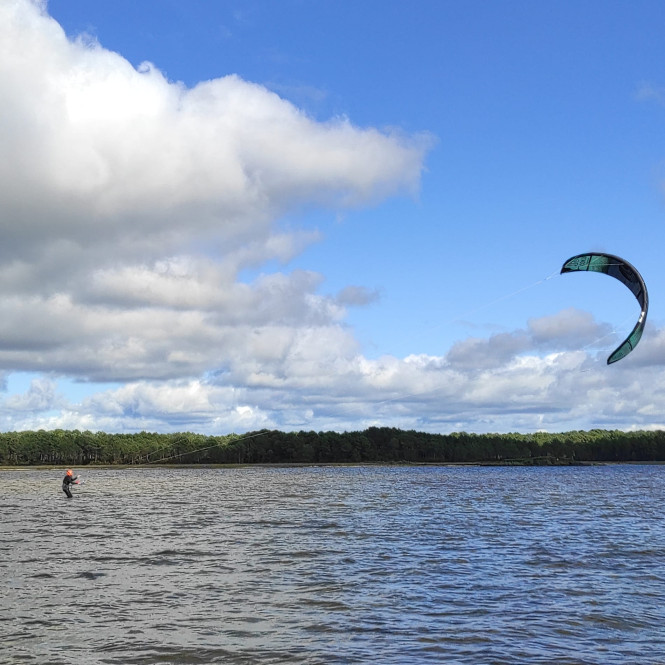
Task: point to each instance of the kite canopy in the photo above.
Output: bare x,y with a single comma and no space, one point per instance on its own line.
626,273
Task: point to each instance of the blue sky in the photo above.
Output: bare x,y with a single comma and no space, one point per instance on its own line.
329,215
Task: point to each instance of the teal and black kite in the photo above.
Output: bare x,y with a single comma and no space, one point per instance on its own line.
626,274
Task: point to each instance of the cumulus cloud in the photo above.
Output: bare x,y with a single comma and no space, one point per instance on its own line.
484,353
571,328
132,203
290,386
99,151
41,396
320,380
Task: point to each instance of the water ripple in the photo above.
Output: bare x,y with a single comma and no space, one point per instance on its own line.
335,566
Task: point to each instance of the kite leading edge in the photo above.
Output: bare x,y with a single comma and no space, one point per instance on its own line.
627,274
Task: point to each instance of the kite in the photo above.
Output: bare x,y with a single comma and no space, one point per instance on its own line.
626,273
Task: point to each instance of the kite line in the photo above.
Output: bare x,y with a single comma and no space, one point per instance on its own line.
198,450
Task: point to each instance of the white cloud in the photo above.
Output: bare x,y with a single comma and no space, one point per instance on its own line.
485,353
293,384
99,152
318,380
41,396
131,204
571,328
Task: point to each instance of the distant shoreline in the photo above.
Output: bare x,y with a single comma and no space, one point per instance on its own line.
375,445
294,465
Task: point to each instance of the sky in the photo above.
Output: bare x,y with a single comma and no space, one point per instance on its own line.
226,215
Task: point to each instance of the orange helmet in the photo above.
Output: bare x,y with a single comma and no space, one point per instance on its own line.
69,472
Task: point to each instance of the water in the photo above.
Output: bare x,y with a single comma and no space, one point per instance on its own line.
327,565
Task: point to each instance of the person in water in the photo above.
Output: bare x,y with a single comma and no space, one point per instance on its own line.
67,481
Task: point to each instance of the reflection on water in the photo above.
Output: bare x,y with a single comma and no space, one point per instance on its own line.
334,565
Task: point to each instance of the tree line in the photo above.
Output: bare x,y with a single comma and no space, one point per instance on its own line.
375,444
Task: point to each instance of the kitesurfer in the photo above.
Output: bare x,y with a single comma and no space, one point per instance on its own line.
67,481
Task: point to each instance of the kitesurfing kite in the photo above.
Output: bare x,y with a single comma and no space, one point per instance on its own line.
626,274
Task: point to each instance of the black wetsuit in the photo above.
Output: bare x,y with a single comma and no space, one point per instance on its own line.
66,482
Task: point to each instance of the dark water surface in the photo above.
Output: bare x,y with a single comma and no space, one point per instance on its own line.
334,565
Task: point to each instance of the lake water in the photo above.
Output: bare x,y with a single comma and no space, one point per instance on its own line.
323,565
